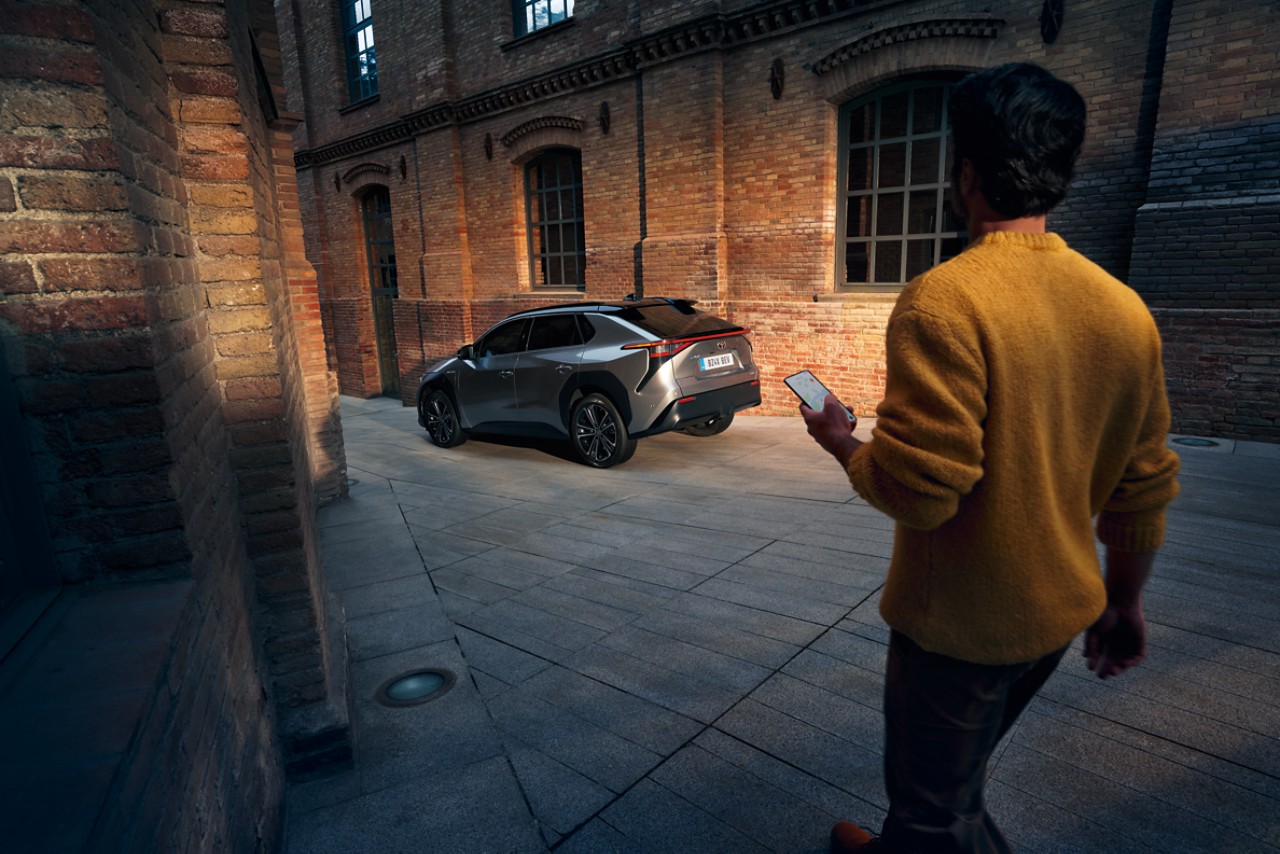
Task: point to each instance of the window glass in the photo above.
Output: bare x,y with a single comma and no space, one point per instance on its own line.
380,242
532,15
380,253
889,214
556,330
894,214
553,201
862,123
674,321
893,165
893,115
507,338
362,62
924,161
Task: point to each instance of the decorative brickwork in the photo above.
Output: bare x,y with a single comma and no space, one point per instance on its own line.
509,138
978,26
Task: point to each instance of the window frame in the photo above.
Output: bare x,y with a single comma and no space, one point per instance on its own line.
524,15
360,87
946,243
378,223
379,235
537,230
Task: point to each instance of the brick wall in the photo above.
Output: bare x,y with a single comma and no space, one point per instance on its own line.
161,323
1207,239
719,191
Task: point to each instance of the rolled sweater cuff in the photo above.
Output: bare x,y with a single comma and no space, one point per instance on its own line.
1132,532
881,490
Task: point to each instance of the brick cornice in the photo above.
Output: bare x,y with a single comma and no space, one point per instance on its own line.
717,31
379,137
970,26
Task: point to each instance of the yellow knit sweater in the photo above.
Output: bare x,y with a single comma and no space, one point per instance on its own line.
1024,396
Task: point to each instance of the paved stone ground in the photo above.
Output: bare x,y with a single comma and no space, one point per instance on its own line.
684,654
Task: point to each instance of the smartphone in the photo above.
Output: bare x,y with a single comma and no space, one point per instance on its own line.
811,390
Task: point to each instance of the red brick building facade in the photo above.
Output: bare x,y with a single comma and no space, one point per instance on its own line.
717,159
170,427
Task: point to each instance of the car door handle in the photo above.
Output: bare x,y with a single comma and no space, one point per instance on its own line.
506,375
564,369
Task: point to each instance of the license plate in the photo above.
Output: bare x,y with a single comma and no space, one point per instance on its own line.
711,363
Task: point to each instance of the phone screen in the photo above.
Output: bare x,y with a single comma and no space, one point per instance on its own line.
809,389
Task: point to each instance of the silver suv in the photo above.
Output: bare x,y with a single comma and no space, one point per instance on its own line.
601,374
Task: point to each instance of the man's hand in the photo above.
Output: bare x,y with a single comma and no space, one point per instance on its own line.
832,429
1117,641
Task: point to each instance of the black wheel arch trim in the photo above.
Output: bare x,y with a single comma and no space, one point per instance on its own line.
591,381
441,384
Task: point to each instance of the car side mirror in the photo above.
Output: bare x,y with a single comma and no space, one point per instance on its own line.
467,353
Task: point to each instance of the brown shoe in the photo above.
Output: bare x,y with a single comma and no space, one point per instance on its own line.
848,838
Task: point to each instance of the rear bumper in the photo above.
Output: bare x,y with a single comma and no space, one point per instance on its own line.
709,404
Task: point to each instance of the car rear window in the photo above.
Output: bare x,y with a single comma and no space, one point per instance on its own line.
672,321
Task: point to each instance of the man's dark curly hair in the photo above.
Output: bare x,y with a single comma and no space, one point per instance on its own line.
1022,129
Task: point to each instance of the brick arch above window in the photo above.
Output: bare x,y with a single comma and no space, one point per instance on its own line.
361,172
526,140
959,44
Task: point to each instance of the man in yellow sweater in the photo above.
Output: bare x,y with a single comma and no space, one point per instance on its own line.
1024,397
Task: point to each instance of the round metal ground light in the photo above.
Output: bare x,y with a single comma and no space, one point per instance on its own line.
1195,443
416,687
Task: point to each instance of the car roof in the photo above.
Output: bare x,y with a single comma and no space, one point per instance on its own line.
608,306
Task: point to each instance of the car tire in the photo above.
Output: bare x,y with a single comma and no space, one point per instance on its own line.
710,427
440,417
598,436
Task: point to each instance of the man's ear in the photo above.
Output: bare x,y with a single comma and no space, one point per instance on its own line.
968,177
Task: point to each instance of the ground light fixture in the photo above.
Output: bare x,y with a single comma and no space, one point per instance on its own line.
1195,443
416,687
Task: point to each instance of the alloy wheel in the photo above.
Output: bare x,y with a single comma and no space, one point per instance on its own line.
596,432
442,420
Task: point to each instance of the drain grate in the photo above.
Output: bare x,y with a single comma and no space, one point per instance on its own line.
416,687
1195,443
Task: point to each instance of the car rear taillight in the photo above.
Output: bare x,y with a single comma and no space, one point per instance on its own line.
668,347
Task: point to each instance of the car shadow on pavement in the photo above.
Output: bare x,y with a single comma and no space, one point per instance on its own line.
559,448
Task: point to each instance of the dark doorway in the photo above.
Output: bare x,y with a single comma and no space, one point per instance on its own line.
380,246
28,579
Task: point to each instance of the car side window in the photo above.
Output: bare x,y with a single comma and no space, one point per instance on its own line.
507,338
556,330
588,330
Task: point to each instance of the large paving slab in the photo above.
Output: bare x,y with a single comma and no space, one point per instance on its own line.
684,654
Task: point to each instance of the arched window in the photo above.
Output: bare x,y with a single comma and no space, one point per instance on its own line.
553,208
895,219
